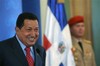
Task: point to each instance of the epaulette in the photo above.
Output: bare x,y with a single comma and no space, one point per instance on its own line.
87,42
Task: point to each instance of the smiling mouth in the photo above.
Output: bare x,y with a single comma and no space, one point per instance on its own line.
30,38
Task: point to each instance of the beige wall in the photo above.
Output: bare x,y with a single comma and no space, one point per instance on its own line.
43,6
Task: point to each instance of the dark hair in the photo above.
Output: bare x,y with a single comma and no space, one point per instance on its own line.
22,17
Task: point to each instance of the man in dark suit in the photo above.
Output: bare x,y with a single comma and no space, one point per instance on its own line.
13,51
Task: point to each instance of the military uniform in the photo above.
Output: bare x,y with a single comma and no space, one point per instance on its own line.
83,57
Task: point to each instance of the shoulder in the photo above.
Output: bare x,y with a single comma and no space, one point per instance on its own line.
6,42
5,45
87,41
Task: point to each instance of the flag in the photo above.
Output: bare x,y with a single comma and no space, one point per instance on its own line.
57,39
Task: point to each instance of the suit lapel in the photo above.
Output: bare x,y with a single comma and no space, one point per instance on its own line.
17,50
38,58
19,53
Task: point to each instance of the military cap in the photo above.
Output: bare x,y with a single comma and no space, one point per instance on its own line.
75,19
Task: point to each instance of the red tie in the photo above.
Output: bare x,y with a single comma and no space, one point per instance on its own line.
29,57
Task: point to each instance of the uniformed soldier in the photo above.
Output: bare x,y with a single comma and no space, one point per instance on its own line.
82,49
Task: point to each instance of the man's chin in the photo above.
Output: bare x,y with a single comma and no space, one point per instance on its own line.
80,36
31,43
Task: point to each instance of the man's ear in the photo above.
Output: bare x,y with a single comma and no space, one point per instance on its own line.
17,29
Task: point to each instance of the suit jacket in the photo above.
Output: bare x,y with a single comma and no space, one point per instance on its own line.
11,54
85,57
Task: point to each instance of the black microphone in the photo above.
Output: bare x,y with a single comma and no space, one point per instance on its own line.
38,52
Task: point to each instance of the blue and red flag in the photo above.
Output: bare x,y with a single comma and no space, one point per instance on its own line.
57,38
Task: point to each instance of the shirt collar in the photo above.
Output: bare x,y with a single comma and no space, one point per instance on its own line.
21,44
77,40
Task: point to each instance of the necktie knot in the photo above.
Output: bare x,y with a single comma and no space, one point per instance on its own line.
79,42
27,49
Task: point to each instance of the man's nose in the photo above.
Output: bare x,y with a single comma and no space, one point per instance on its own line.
32,33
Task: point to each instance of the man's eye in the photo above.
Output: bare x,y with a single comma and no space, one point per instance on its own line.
36,29
28,29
